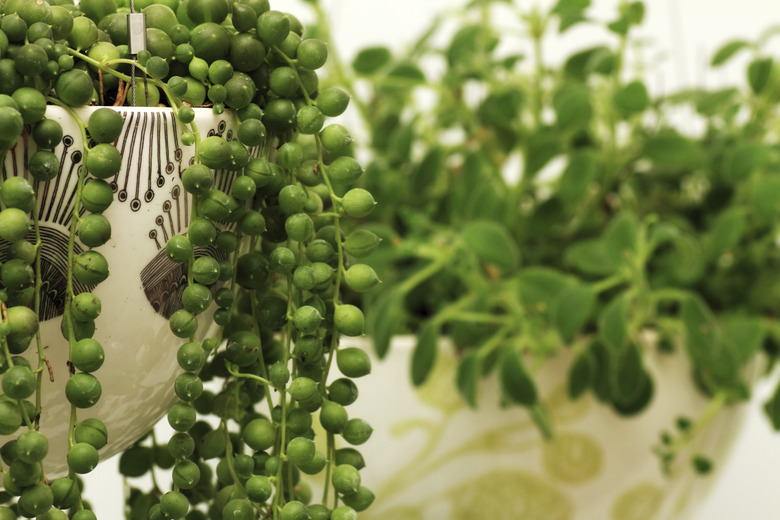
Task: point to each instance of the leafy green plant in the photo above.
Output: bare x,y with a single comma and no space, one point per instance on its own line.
530,206
267,246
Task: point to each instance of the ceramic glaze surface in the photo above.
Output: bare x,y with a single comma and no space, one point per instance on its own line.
143,287
431,456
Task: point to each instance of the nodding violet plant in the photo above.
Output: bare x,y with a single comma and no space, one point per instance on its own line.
533,207
275,253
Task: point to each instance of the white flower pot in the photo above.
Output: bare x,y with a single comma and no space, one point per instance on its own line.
431,456
143,287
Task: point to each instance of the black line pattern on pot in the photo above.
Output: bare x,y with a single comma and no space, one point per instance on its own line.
54,269
137,182
55,206
162,279
56,200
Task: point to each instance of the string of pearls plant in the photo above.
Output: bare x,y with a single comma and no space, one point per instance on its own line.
274,253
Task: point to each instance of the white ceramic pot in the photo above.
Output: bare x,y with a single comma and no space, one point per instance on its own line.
431,456
143,287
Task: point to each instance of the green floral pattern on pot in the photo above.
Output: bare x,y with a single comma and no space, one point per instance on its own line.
432,456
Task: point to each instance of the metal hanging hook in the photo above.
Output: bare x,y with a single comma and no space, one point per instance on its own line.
136,33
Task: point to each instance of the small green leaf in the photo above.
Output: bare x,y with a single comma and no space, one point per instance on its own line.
759,73
684,263
744,159
569,21
486,202
715,362
467,377
598,60
662,233
592,257
632,98
572,106
581,374
772,408
492,243
541,418
570,12
620,26
466,45
578,177
570,6
636,12
542,146
728,51
766,198
640,400
713,103
571,310
427,172
385,321
501,108
613,322
726,232
424,354
700,327
744,335
516,383
622,237
371,59
408,71
626,374
538,286
671,150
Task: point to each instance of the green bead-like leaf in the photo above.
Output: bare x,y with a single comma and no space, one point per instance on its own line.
516,384
728,51
369,60
492,243
424,354
571,310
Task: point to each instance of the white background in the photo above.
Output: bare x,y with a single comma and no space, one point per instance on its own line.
686,32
